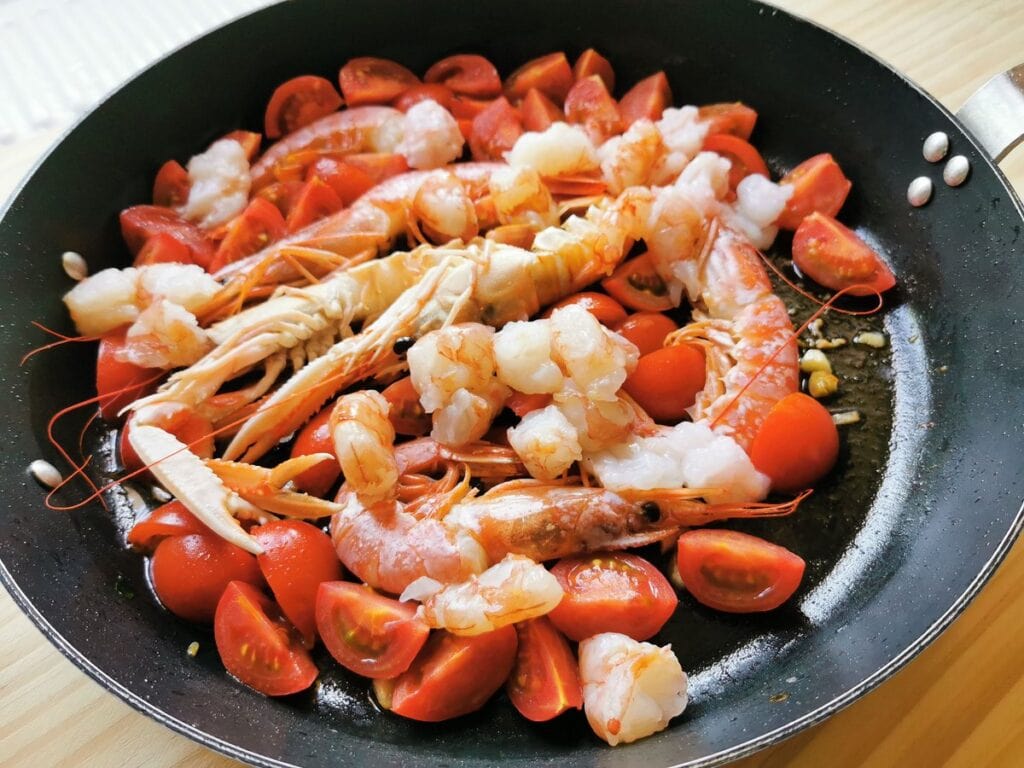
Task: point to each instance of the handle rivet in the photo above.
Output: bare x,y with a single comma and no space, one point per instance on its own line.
935,147
956,170
920,191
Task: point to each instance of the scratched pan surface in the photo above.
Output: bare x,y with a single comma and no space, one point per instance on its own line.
922,507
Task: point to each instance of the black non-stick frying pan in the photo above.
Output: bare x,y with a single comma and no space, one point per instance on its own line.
923,506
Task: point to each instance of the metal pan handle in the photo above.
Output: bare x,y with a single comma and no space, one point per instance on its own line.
995,113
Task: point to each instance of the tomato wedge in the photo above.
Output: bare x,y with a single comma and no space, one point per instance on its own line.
833,256
453,675
370,634
636,285
666,381
141,222
734,118
297,557
316,199
348,182
163,248
180,420
281,194
538,111
495,131
646,100
612,592
797,444
744,158
369,80
259,225
819,185
545,681
466,74
379,166
646,330
521,404
171,185
297,103
426,92
256,646
735,572
316,437
249,140
590,105
606,309
551,75
590,63
118,383
406,414
170,519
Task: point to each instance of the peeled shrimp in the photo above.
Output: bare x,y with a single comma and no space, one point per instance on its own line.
363,438
219,184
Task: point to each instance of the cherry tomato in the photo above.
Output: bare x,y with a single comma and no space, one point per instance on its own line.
833,256
119,383
170,519
163,248
140,222
281,194
426,92
316,437
539,112
406,414
744,158
466,74
316,200
369,80
667,380
590,63
297,557
453,675
348,182
465,108
797,444
185,423
171,185
256,645
606,309
191,572
590,105
818,185
545,680
735,572
259,225
249,140
521,404
646,330
612,592
636,285
379,166
495,131
646,100
368,633
734,118
297,103
551,75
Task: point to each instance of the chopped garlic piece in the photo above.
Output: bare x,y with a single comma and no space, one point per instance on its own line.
845,418
870,339
830,343
815,360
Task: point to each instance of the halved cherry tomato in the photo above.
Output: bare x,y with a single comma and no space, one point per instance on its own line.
636,285
185,423
646,330
297,103
734,118
316,200
256,646
667,380
347,181
427,92
170,519
316,437
369,80
545,681
735,572
606,309
281,194
370,634
191,572
250,141
538,111
495,131
453,675
833,256
551,75
647,99
379,166
612,592
589,104
171,185
797,444
163,248
465,108
819,184
259,225
521,404
119,383
297,557
745,159
140,222
466,74
406,414
590,63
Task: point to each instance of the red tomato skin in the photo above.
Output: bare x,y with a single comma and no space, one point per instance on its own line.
646,330
590,63
454,675
606,309
797,444
348,182
281,194
835,257
249,141
721,568
315,201
666,381
248,632
406,413
171,185
636,285
495,131
316,437
743,157
590,105
539,112
163,248
734,118
140,222
185,423
819,185
343,609
521,404
256,227
551,75
646,100
297,557
427,92
545,681
170,519
615,592
298,102
369,80
467,75
379,166
191,572
119,383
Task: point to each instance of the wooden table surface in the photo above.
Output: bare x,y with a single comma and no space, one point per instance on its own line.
961,703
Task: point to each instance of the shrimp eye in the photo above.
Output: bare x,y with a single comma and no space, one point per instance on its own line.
402,345
651,511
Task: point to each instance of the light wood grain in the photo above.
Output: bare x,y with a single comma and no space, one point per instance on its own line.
959,705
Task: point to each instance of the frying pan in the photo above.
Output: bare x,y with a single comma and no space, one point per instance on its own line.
923,506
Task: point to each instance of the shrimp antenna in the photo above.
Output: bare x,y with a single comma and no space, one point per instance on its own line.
812,298
61,340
